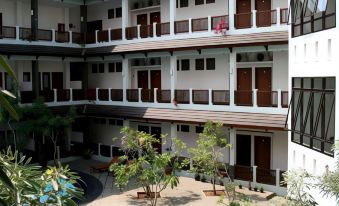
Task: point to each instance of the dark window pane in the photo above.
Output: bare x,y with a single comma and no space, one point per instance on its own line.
111,121
199,64
185,65
118,67
118,12
183,3
101,68
26,76
210,64
185,128
199,2
119,122
111,67
199,129
210,1
178,65
110,13
94,68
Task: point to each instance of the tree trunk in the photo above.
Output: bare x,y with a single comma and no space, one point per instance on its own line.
214,190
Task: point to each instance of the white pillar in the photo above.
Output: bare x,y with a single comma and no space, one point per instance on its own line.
233,148
96,36
53,35
233,71
277,178
190,25
191,95
155,29
173,8
278,16
70,37
155,95
231,12
139,95
66,75
255,98
174,133
70,94
17,33
109,94
125,78
97,94
124,19
210,97
55,95
254,19
254,176
279,98
138,31
66,18
109,34
173,71
209,19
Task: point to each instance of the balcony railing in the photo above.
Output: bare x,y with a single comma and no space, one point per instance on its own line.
25,33
243,173
243,20
182,96
63,95
147,95
44,35
163,29
243,97
146,31
218,19
103,36
284,16
77,38
200,96
117,95
62,37
116,34
8,32
164,96
181,26
266,18
132,95
221,97
267,98
200,24
103,94
132,32
90,37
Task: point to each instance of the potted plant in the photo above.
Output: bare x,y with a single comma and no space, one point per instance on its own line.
240,186
261,189
249,185
197,177
255,189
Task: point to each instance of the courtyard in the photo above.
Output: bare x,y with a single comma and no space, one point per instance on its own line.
189,192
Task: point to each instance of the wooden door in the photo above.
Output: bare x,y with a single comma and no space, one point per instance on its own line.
156,79
143,84
145,31
262,152
155,18
57,80
61,27
46,79
244,86
263,8
263,82
142,19
243,16
156,132
243,150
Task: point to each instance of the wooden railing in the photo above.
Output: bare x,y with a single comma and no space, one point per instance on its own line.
8,32
244,173
44,35
266,18
62,36
266,176
182,96
147,95
25,33
267,98
91,94
181,26
132,95
163,29
200,96
218,19
164,96
200,24
116,94
221,97
48,95
79,94
90,37
103,36
243,20
284,16
131,32
77,38
116,34
243,97
284,99
63,95
146,31
103,95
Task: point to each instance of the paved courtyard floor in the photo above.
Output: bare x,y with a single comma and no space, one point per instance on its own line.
188,193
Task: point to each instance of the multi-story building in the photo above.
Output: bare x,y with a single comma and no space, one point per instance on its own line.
160,66
313,72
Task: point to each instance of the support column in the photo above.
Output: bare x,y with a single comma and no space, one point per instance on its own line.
66,75
35,78
66,18
173,73
233,71
83,18
124,19
125,78
18,13
34,20
173,8
126,123
231,12
233,148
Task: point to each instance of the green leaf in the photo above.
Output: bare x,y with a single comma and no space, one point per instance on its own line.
3,202
5,179
7,68
70,202
8,107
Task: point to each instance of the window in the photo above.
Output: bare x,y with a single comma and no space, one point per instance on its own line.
119,122
76,69
199,129
101,68
99,121
199,2
27,77
111,67
110,13
94,68
313,113
183,3
210,63
210,1
118,67
178,65
199,64
185,128
185,65
111,121
118,12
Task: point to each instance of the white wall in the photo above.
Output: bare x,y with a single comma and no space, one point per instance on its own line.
104,80
8,10
49,17
74,18
104,134
280,151
100,12
280,71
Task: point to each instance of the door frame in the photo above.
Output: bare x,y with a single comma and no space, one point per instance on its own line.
253,134
135,81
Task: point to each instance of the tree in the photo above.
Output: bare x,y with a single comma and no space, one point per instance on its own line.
25,184
208,153
152,170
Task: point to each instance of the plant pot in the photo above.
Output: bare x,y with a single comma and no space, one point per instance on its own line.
240,186
256,189
211,192
143,195
168,171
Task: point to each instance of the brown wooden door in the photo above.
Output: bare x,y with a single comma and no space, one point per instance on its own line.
262,152
57,80
142,19
243,17
143,79
156,79
244,86
145,31
61,27
155,18
263,82
263,8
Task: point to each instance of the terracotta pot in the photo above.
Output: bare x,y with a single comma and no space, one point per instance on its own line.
143,195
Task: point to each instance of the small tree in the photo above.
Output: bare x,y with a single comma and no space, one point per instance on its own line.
152,170
207,155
